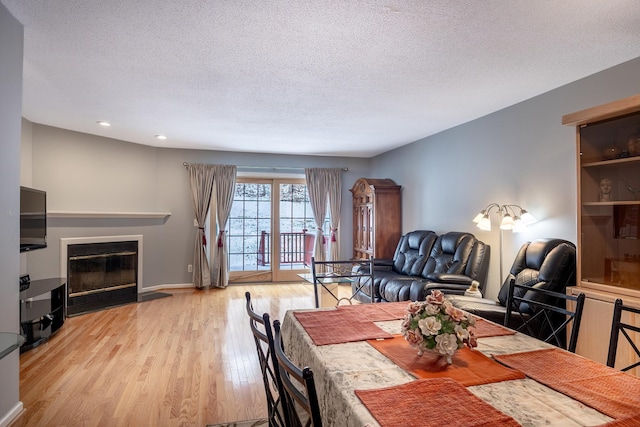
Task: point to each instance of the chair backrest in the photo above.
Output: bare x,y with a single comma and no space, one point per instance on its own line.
544,315
618,327
263,337
544,263
298,386
458,252
412,252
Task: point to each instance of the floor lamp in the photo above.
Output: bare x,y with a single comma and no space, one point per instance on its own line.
512,217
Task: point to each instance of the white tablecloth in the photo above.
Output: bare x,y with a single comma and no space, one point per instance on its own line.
342,368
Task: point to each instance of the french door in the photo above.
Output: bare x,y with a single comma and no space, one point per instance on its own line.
271,230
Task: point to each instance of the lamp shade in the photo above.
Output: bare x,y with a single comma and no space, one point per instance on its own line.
527,218
518,225
479,217
507,222
484,223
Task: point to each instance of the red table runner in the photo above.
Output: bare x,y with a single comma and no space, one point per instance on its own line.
469,367
611,392
485,328
338,326
431,402
378,312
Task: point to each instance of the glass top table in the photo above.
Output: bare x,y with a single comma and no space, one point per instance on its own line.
327,275
9,342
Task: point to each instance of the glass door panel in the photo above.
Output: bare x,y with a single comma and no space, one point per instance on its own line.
249,229
296,227
271,230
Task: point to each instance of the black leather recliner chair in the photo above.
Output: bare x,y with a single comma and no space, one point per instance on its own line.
544,263
424,261
408,261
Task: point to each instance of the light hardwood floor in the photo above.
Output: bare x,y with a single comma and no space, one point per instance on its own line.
185,360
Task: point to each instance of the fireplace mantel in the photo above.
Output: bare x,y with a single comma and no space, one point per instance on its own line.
93,214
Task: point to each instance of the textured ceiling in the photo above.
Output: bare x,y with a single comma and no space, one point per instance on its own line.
319,77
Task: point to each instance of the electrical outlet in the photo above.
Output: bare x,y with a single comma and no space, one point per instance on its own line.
190,268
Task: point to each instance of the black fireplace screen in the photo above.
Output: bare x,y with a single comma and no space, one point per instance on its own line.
97,267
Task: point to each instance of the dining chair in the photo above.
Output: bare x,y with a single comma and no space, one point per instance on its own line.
298,388
617,327
544,314
263,337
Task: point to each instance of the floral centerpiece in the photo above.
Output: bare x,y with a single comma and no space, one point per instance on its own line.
436,326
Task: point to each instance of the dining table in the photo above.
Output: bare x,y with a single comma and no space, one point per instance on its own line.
367,374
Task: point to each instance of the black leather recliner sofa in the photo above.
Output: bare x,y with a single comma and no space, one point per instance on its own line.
423,261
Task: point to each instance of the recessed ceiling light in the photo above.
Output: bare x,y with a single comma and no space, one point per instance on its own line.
103,123
161,137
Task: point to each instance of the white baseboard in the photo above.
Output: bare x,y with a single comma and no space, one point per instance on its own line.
11,415
166,286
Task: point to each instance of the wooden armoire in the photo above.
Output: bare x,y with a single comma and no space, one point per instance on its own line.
377,218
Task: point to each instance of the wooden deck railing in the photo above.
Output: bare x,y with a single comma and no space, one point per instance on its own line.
295,248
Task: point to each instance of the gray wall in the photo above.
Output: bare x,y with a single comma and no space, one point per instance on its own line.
82,172
11,42
520,155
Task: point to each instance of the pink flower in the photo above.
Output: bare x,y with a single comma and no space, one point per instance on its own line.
414,307
413,338
455,313
436,297
472,341
405,323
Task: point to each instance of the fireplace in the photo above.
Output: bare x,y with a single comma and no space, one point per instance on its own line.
101,272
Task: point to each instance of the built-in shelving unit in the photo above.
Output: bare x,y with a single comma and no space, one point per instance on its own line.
608,177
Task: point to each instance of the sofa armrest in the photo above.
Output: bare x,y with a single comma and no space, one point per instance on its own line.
378,265
382,264
481,307
454,279
420,289
459,300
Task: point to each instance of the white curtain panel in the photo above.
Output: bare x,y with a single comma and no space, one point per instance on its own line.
225,185
201,183
335,207
317,186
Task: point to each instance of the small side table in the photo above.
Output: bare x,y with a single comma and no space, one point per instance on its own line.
9,342
326,276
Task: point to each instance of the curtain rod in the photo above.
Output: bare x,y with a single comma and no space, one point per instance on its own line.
268,167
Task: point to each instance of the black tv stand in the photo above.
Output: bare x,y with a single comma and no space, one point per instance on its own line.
42,310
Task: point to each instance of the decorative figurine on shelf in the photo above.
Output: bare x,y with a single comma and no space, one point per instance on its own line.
633,144
632,190
606,185
611,152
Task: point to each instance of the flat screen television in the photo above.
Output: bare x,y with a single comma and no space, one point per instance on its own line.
33,219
